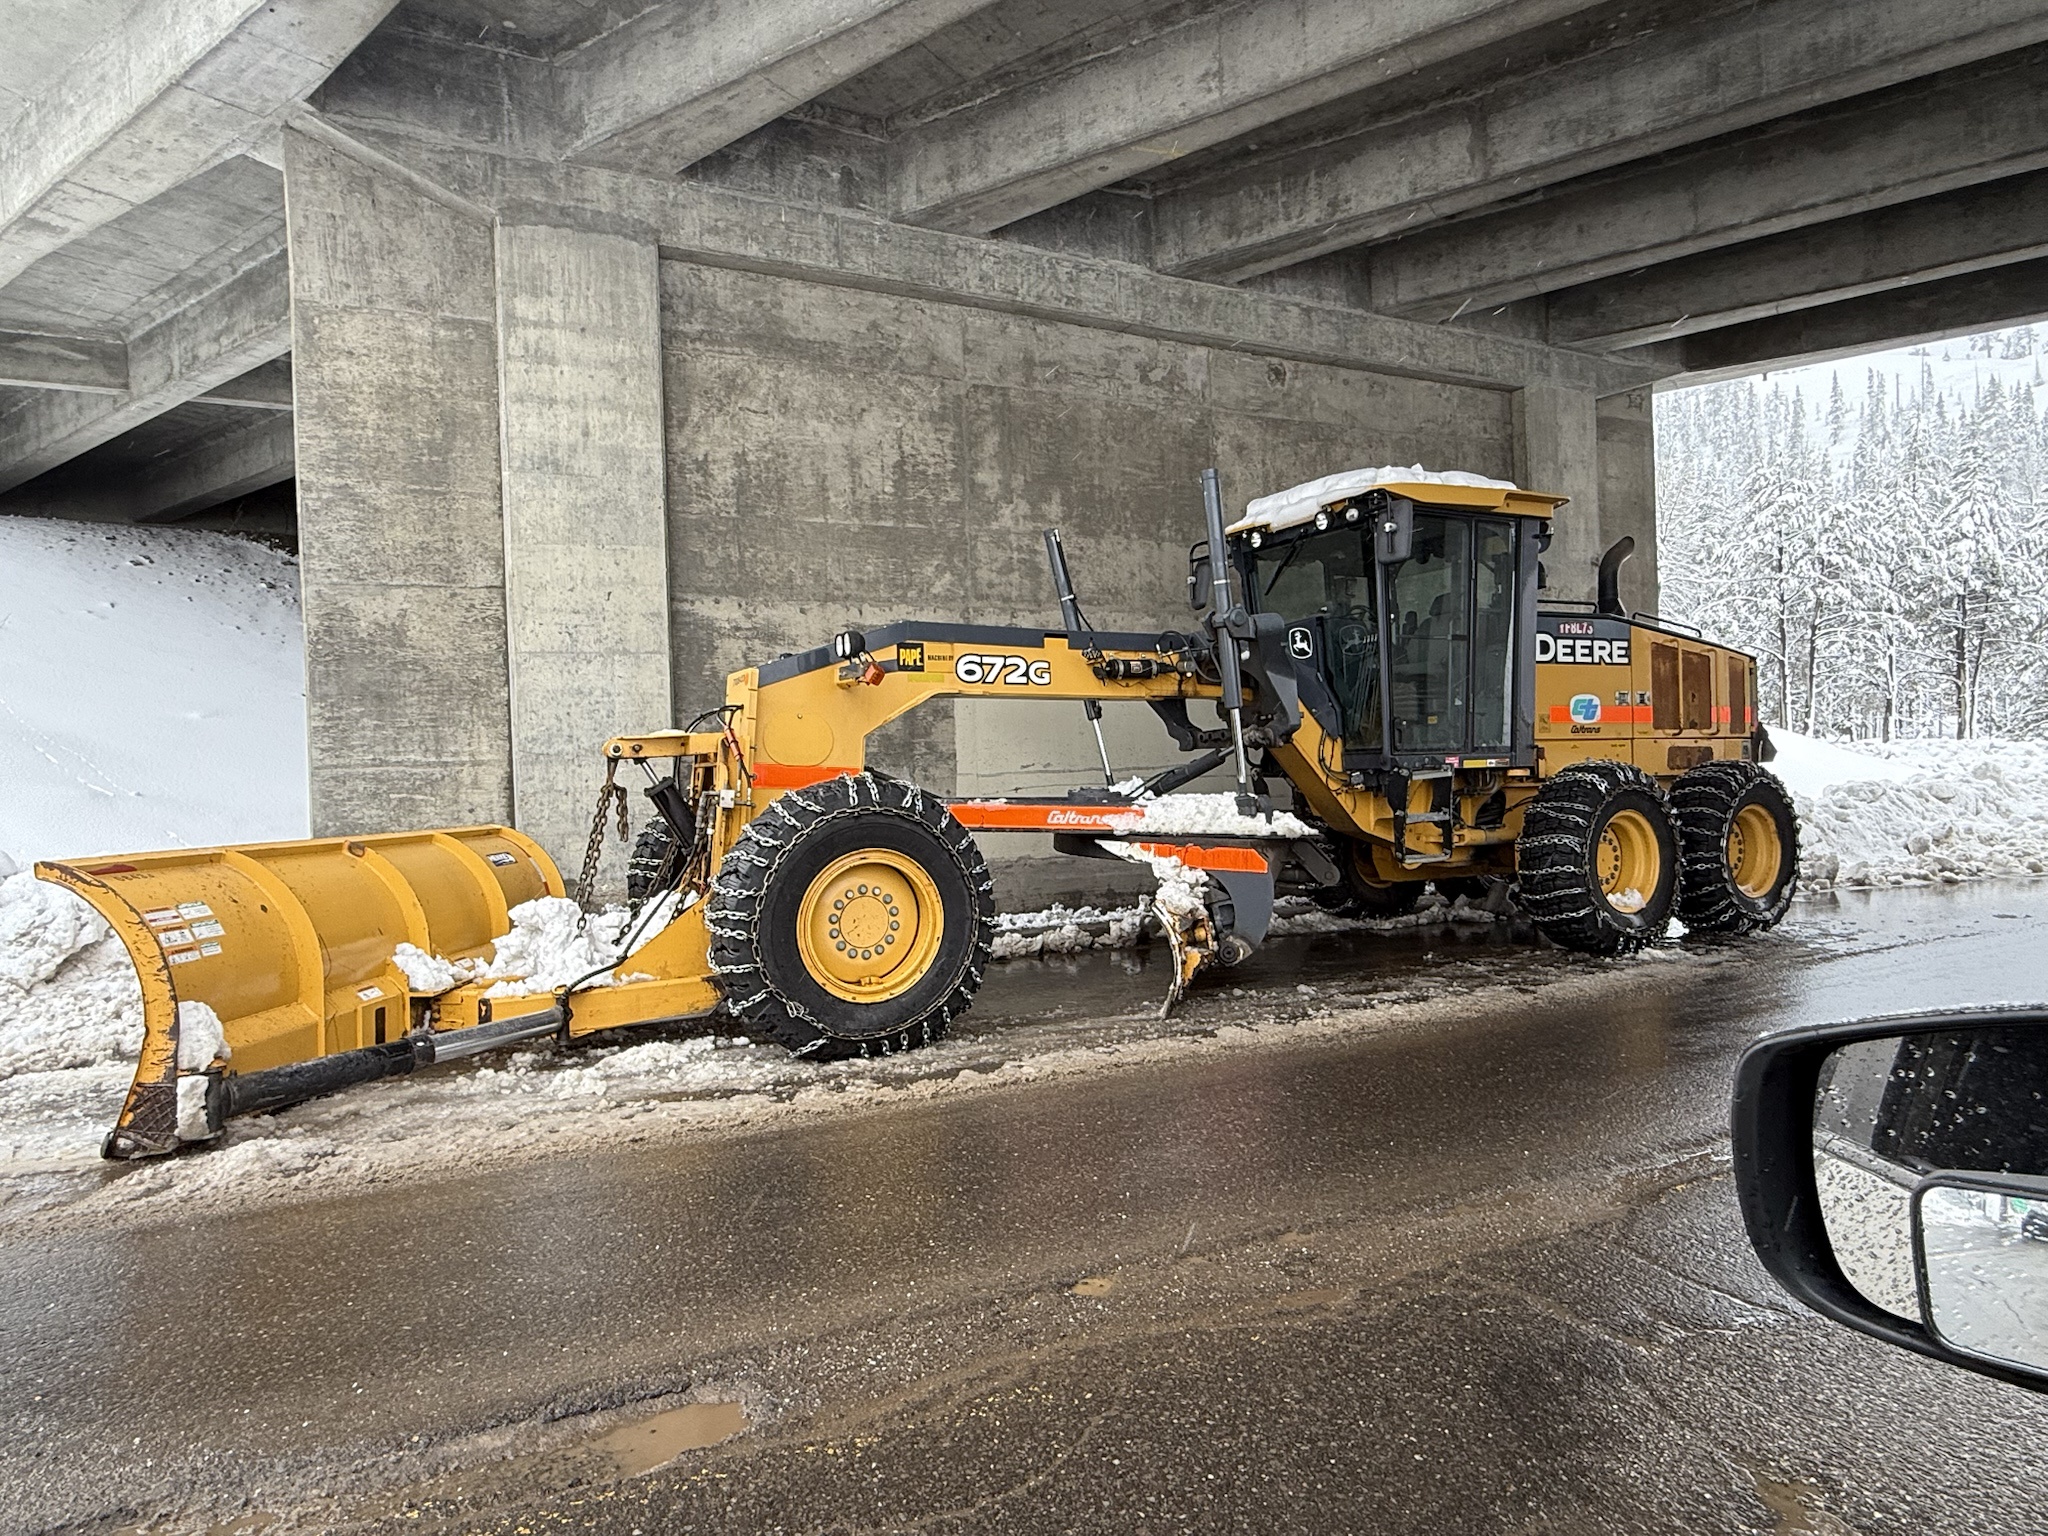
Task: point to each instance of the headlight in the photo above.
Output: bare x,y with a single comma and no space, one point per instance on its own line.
1322,521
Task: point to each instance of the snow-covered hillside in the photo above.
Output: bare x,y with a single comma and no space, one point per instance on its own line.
152,690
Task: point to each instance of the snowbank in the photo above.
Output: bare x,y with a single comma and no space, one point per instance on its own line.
1299,503
152,690
1917,812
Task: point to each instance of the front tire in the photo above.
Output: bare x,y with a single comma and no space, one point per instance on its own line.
852,918
1740,847
1597,859
1357,895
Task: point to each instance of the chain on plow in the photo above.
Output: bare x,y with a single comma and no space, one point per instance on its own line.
593,850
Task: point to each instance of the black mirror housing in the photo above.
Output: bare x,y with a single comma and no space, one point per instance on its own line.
1393,530
1772,1122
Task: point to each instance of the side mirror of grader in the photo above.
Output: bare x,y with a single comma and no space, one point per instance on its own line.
1393,534
1200,579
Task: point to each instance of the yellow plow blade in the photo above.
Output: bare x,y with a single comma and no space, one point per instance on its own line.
290,944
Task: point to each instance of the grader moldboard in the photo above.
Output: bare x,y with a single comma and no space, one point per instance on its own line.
1374,641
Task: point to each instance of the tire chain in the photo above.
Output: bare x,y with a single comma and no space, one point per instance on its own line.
1703,803
1552,856
733,915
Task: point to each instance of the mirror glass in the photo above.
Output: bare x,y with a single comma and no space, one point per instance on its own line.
1888,1112
1985,1253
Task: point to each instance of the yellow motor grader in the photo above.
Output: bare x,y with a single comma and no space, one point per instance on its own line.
1379,648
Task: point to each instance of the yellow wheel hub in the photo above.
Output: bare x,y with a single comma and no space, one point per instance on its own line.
869,926
1628,862
1755,853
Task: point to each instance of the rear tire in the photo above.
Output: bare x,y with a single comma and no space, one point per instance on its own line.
1739,838
852,918
1597,859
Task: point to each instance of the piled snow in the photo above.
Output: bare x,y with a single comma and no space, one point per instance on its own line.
1917,812
152,690
1063,930
68,996
1210,815
550,945
1299,503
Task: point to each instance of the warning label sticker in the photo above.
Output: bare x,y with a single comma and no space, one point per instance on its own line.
369,994
183,957
209,949
171,936
207,930
194,909
502,859
158,916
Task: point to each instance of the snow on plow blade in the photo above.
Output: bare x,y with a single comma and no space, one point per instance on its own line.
290,945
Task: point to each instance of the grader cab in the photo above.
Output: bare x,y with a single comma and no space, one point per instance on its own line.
1372,648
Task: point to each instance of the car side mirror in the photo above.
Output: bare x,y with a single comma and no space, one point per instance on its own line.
1893,1175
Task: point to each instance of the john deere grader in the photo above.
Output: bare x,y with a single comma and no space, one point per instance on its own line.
1372,640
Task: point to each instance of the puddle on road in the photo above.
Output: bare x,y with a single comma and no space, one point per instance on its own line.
1794,1505
655,1442
1093,1285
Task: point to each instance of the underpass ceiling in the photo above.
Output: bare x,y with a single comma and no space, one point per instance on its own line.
130,273
45,37
999,47
1529,53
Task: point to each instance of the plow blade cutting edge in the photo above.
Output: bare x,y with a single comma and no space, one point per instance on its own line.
290,946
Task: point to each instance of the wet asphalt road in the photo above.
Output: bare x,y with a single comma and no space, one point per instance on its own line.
1476,1271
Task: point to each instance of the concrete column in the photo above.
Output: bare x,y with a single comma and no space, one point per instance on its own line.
1557,450
402,549
586,571
1628,491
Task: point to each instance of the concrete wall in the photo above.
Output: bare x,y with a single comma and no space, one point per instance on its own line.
402,544
841,457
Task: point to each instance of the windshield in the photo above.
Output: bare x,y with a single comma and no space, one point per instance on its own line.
1450,630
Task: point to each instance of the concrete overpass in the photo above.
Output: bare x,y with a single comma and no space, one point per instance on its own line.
594,349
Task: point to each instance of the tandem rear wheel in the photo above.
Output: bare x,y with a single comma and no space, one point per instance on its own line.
1739,847
1597,861
852,918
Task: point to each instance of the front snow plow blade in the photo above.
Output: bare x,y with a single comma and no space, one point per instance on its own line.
290,947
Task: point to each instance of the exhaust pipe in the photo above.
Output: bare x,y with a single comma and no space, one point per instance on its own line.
1609,605
254,1093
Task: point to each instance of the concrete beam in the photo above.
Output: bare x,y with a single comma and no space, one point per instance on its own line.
1946,236
714,226
1903,317
179,86
214,467
1956,130
266,387
94,364
681,80
1213,77
1675,87
245,322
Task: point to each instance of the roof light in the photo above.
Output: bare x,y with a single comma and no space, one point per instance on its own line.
1258,538
1351,514
1322,521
